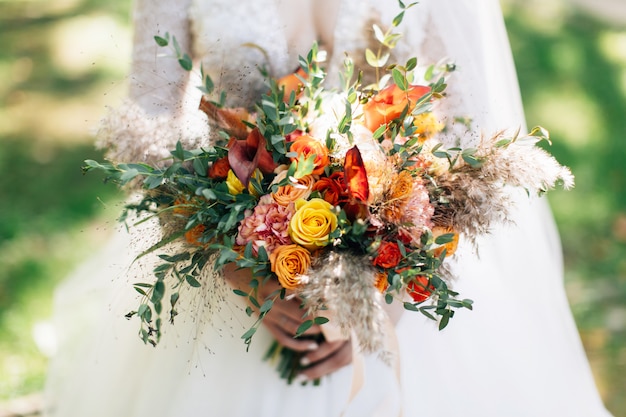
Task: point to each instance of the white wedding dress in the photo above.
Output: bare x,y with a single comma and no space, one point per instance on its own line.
518,354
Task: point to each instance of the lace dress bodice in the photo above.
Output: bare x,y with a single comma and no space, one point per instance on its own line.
232,44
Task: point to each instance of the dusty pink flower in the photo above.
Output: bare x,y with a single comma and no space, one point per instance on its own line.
266,226
417,211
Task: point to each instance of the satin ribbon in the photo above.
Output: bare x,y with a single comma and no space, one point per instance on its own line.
333,333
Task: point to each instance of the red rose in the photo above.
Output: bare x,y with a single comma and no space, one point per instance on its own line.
332,188
219,169
388,255
419,289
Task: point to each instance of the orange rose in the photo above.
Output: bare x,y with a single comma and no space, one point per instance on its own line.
381,283
419,289
402,186
389,103
292,82
306,146
219,169
290,193
289,262
332,188
388,256
450,246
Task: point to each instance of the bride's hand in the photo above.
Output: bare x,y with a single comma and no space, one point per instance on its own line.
328,358
284,319
285,316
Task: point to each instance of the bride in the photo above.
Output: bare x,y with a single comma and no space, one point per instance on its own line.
517,354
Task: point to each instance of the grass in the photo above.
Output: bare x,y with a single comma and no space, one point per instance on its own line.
572,72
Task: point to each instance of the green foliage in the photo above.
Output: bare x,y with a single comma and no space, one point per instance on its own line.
40,243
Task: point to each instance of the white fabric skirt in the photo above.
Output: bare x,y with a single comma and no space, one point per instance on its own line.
518,354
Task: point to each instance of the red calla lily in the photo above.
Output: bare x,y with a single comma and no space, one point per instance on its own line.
244,156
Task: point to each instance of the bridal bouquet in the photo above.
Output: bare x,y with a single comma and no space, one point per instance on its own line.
345,196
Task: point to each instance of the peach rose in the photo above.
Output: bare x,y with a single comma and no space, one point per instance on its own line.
312,223
306,146
389,103
290,193
289,262
292,83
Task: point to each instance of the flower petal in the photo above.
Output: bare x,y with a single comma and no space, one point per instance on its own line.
355,175
230,120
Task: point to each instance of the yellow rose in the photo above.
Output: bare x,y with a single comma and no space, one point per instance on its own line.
289,262
236,187
312,223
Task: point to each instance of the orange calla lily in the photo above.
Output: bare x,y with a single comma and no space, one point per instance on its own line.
355,175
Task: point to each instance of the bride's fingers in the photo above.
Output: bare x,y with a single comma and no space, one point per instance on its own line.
285,320
289,316
286,339
328,358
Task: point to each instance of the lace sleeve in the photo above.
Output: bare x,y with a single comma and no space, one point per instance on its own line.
161,107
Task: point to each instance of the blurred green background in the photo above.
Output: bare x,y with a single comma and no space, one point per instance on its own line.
63,61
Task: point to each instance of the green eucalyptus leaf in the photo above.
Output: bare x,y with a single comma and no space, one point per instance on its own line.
445,238
304,327
161,41
410,306
248,335
174,299
445,319
411,64
398,19
267,306
200,167
399,79
158,292
379,34
140,291
192,281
